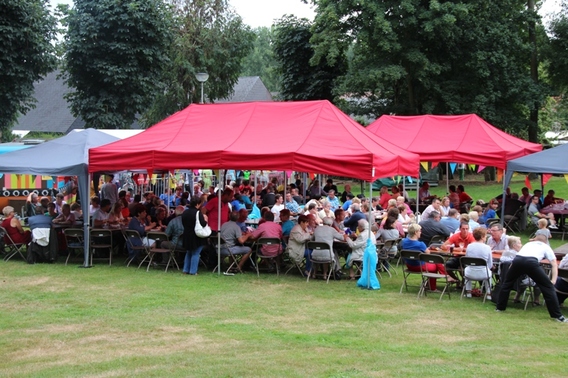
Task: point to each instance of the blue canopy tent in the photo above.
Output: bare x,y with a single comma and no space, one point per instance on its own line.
65,156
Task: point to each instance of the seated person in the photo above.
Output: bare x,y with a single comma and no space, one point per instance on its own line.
403,217
33,207
348,201
498,240
100,216
451,221
139,223
526,197
424,193
268,229
95,204
285,222
326,211
66,217
76,210
338,220
241,222
473,218
174,230
296,247
454,198
460,240
434,206
14,228
388,231
480,250
278,206
489,212
412,242
358,246
291,204
384,197
313,210
327,234
51,212
535,214
400,201
551,200
234,239
431,227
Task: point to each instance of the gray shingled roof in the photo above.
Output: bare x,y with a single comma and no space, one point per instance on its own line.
52,113
248,88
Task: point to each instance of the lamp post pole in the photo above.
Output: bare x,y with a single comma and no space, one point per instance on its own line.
202,78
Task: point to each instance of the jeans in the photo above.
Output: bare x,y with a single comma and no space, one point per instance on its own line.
191,261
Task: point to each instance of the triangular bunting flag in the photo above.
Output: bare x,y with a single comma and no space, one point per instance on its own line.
434,165
566,178
480,168
499,175
424,165
453,167
515,174
471,167
528,182
545,178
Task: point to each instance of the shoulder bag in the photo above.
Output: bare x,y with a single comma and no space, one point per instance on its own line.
200,231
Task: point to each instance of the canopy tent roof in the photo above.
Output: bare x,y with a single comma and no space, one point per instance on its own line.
548,161
461,139
305,136
65,156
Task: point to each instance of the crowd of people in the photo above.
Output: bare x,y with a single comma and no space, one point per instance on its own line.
324,215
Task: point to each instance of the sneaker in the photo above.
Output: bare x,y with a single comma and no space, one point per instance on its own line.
553,227
488,297
468,295
561,319
497,310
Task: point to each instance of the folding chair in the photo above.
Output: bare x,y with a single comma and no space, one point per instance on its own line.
406,254
160,238
479,262
74,237
385,256
437,240
512,217
562,273
135,243
100,239
233,259
13,248
317,246
260,257
433,259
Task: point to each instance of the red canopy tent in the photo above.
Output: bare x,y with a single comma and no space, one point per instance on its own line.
461,139
304,136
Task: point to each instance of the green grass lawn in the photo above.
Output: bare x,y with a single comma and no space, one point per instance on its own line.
62,321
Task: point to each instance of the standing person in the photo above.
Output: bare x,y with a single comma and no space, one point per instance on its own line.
211,209
109,190
191,242
346,191
527,262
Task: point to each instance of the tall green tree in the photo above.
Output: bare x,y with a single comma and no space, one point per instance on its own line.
115,51
302,78
26,53
261,60
209,38
417,57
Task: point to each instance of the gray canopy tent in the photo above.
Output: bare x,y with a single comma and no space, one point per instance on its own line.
551,161
65,156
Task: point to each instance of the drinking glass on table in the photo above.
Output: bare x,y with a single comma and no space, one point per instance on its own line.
461,245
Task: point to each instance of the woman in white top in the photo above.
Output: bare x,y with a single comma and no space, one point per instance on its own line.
445,207
326,211
480,250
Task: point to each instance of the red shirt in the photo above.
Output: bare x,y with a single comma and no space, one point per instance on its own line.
456,239
212,207
384,200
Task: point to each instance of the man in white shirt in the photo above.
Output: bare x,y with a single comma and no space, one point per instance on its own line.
527,262
100,216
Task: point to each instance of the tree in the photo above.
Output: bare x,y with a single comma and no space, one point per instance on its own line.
26,53
261,60
301,79
115,52
208,38
415,57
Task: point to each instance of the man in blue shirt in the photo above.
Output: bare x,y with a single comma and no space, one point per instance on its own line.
291,204
353,220
451,222
333,200
347,203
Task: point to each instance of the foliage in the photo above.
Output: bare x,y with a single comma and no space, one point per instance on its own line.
26,54
209,38
557,52
415,57
261,60
115,51
300,78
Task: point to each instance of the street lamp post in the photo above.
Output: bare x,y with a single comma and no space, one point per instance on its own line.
202,78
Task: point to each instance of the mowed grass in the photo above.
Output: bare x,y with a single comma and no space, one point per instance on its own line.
63,321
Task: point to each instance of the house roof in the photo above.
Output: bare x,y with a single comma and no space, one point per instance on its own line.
52,112
247,89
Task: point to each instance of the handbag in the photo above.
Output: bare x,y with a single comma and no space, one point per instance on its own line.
200,231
